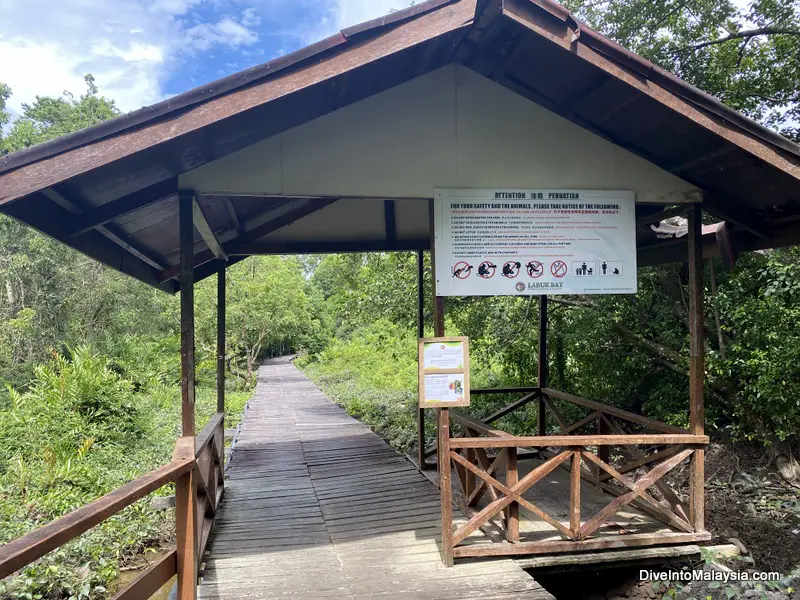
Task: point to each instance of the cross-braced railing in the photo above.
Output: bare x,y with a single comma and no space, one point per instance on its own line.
485,460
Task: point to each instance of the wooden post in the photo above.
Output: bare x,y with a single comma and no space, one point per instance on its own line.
420,334
512,512
186,232
603,452
445,490
438,301
185,490
543,367
221,339
575,494
696,366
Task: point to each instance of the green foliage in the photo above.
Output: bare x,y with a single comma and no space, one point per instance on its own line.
745,56
269,312
47,118
78,431
761,304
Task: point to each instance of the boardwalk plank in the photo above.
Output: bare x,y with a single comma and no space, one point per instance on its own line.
318,506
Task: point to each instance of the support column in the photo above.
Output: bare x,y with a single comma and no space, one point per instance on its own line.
187,312
445,489
420,334
221,338
543,365
696,366
185,487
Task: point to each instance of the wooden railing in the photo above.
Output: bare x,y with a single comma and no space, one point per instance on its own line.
196,469
485,460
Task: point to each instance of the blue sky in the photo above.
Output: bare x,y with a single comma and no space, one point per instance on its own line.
142,51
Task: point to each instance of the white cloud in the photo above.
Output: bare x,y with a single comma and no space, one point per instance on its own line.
341,14
130,46
225,31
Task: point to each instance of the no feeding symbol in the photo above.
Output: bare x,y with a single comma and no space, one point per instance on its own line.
487,269
558,268
511,269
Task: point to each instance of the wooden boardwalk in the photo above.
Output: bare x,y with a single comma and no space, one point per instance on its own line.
318,506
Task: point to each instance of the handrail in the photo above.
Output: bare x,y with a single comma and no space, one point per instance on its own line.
579,440
207,434
23,551
508,390
474,424
611,410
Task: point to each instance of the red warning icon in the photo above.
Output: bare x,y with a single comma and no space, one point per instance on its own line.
462,270
534,269
558,268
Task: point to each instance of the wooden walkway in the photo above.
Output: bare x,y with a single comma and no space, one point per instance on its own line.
318,506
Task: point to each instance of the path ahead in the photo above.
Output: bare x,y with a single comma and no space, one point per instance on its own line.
318,506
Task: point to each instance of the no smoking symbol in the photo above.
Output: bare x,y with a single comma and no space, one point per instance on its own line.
558,268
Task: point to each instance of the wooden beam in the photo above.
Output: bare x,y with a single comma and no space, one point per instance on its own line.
617,541
511,407
204,229
611,410
739,215
152,580
509,441
111,232
186,231
506,390
122,206
237,224
390,222
328,247
236,245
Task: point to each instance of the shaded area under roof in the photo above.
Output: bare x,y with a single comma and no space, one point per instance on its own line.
110,191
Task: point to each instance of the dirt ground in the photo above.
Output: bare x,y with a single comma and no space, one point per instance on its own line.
746,499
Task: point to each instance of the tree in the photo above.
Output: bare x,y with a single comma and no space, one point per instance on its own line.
268,310
47,118
748,58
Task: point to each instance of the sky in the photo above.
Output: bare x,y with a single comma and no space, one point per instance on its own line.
143,51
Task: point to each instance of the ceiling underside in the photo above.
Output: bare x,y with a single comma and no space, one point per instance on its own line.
115,197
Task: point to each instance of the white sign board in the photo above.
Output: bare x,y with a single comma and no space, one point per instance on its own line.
524,242
443,372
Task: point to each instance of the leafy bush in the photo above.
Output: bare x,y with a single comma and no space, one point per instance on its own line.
79,431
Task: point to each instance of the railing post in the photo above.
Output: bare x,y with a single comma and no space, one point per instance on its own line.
575,494
696,366
445,489
512,512
603,452
186,523
541,427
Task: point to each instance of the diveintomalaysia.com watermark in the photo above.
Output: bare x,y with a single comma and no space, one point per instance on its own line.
707,575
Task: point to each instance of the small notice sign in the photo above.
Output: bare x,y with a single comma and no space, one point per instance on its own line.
443,372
